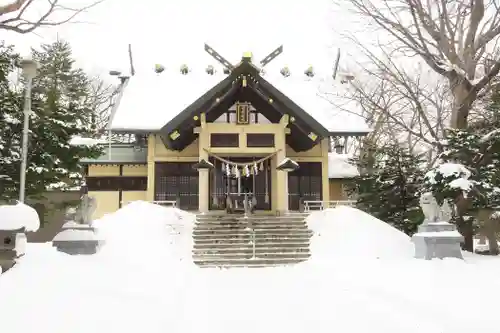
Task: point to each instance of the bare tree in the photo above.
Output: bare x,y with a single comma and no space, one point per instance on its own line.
101,98
399,104
13,15
457,39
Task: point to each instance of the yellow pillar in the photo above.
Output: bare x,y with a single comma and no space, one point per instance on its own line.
203,180
324,170
150,195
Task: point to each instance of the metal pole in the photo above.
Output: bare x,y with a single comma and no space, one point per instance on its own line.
336,64
24,151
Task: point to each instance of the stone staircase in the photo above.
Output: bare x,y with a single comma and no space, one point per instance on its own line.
255,241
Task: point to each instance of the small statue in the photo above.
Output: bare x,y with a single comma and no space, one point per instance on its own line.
430,208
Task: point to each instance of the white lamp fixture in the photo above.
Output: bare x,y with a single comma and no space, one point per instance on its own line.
29,68
287,165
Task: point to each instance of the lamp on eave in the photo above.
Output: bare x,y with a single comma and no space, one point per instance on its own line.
287,165
203,165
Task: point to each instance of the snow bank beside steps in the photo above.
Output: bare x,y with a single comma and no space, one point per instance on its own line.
346,232
142,229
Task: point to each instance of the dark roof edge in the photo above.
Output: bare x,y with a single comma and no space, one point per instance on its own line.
353,133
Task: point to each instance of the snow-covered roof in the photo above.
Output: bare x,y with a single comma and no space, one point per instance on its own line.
324,99
151,100
340,167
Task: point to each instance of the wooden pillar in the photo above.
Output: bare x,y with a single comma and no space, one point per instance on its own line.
281,176
150,194
204,174
325,184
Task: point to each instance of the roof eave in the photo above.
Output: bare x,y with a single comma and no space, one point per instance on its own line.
349,133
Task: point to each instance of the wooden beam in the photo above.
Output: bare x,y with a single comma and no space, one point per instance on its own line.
218,57
270,57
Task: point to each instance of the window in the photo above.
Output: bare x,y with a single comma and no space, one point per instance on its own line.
224,140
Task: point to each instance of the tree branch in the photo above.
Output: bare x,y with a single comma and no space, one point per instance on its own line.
19,24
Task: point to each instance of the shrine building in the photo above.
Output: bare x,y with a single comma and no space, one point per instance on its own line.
207,141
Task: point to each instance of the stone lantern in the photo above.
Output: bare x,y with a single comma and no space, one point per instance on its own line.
15,221
12,246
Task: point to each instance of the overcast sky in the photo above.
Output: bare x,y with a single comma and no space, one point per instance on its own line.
173,32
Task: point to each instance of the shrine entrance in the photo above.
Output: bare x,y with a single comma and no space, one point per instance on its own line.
233,177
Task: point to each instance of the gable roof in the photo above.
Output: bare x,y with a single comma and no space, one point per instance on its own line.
152,102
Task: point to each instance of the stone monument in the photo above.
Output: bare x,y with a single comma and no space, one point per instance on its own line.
436,237
78,236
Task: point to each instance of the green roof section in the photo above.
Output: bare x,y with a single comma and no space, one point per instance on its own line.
120,154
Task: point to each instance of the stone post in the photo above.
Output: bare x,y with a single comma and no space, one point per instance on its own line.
436,237
79,236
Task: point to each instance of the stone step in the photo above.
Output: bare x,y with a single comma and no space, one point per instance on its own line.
258,251
198,232
244,226
254,225
260,239
260,219
229,258
248,236
281,245
264,262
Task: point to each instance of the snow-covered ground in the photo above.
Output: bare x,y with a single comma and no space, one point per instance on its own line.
362,278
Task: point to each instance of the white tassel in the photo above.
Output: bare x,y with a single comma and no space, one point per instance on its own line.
261,166
237,173
228,170
247,171
255,169
223,167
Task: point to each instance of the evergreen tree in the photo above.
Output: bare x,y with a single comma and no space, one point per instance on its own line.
61,110
470,176
10,106
391,192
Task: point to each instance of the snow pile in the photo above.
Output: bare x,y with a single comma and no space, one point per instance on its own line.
346,232
19,216
340,167
142,229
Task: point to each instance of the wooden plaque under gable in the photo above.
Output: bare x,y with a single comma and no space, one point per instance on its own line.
242,113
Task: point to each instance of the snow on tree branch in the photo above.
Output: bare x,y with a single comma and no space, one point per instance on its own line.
451,177
490,135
